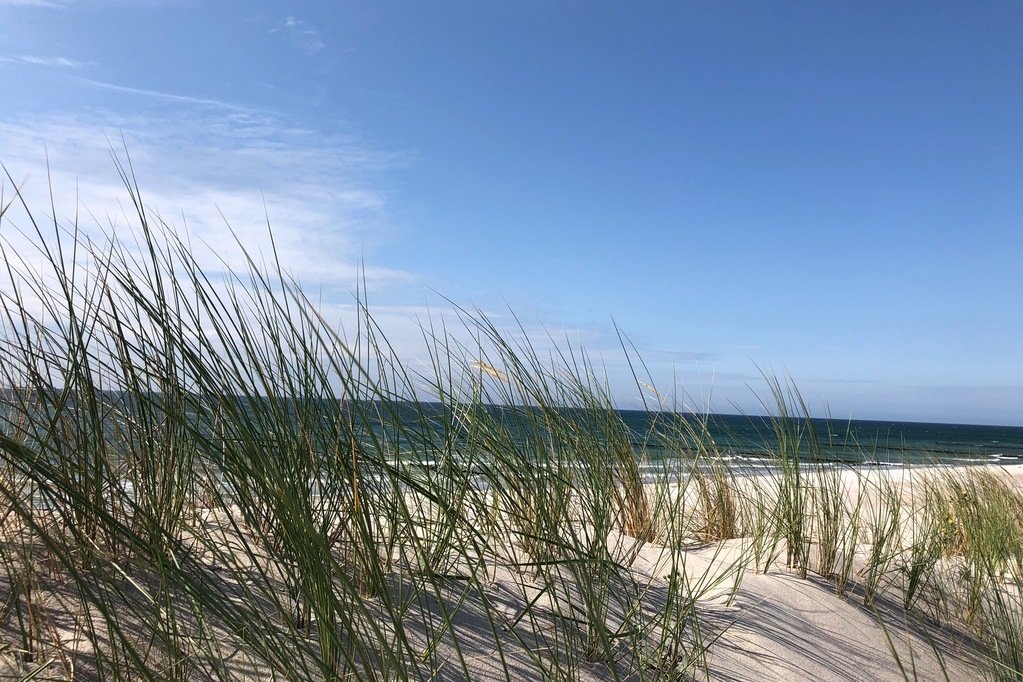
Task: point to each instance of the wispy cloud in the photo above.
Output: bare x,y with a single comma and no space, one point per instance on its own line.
32,3
43,61
677,356
222,177
218,181
300,35
854,382
167,96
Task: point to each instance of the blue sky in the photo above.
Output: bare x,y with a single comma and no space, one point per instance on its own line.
832,191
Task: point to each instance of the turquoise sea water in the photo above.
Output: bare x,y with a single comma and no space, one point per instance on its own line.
750,439
865,442
739,438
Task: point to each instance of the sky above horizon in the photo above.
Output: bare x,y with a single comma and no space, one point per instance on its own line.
827,191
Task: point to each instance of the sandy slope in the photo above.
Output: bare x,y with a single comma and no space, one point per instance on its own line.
760,626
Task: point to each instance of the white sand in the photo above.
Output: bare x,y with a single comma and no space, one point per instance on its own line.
763,626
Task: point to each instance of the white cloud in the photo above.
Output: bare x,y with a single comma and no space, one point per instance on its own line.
218,179
217,173
166,96
300,35
32,3
42,61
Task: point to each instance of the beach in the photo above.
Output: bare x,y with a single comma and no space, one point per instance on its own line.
491,602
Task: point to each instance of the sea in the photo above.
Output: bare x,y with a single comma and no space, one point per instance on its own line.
747,440
751,439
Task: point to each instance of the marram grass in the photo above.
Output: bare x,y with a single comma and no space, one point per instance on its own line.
203,478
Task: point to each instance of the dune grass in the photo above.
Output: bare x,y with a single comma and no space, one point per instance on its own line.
225,484
203,478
